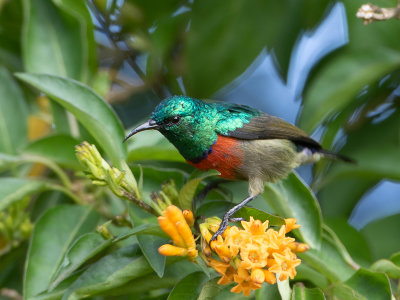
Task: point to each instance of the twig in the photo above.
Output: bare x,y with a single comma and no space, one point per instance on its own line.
141,204
369,12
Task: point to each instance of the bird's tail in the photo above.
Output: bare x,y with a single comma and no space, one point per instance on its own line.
332,155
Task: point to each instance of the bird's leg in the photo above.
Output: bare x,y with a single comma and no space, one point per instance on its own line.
228,216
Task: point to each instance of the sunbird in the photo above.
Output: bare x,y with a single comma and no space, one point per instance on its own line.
240,142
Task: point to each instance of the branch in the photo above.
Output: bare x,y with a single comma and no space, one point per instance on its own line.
141,204
369,12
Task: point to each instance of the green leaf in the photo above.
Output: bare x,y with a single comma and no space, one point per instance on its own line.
339,196
210,289
340,80
386,266
83,249
306,273
152,145
147,228
94,114
50,241
214,208
57,41
292,198
328,261
58,148
189,287
203,266
395,258
236,32
352,239
267,291
13,115
110,272
187,192
247,212
14,189
300,292
381,238
149,245
344,184
365,285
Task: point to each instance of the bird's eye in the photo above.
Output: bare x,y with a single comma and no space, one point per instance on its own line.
175,119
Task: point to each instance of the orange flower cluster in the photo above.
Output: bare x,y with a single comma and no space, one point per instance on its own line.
252,255
177,225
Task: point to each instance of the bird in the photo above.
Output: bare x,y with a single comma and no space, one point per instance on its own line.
240,142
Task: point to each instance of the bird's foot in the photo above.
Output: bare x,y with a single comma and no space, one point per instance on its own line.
224,224
228,217
221,228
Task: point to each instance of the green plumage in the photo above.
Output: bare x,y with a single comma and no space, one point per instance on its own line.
199,123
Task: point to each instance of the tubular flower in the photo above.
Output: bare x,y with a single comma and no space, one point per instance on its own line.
173,223
252,255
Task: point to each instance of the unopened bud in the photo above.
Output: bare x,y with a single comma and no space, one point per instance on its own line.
257,276
269,277
299,247
170,250
188,215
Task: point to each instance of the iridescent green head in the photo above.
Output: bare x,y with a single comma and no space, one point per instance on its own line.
191,125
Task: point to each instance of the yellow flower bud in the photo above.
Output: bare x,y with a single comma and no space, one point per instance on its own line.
168,227
186,234
299,247
170,250
188,215
257,276
269,277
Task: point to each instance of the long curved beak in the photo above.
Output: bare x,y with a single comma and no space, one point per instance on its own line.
150,124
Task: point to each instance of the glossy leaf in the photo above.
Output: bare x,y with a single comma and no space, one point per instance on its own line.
14,189
350,72
328,261
50,242
344,184
267,291
13,115
84,248
352,239
111,271
381,238
339,196
292,198
187,192
210,289
149,245
395,258
151,145
56,41
247,212
306,273
217,51
58,148
95,114
365,285
189,287
300,292
386,266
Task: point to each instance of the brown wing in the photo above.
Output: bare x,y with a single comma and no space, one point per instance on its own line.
270,127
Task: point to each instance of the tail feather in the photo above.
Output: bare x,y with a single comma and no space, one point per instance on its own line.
336,156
